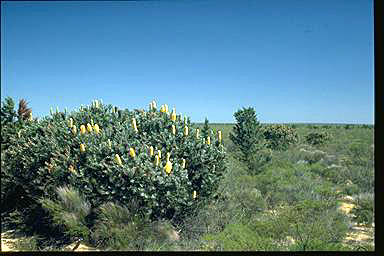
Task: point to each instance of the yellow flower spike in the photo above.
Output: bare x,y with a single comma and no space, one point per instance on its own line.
96,128
186,131
89,127
173,129
151,151
159,153
134,124
194,194
96,103
70,124
168,156
30,116
166,108
157,160
197,133
92,123
132,152
209,140
109,143
71,169
154,104
173,115
219,133
74,130
82,129
118,160
183,164
82,147
168,167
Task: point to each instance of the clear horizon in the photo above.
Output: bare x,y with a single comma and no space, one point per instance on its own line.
293,61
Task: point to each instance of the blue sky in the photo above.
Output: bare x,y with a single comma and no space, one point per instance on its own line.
293,61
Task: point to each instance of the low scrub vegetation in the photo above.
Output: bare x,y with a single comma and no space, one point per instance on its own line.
117,179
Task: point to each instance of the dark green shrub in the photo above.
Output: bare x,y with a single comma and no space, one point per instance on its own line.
247,134
48,155
279,137
364,210
317,138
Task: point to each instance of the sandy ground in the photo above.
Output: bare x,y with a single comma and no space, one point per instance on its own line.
8,240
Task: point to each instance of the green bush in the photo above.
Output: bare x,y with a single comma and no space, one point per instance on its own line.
364,210
247,135
238,237
317,138
48,155
279,137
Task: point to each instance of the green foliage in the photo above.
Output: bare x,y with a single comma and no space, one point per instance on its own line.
205,130
247,135
238,237
314,225
70,211
279,137
364,210
317,138
47,155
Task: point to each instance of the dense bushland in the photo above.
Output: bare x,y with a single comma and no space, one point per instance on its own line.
258,186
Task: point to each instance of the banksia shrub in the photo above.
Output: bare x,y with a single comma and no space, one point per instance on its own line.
317,138
279,137
114,163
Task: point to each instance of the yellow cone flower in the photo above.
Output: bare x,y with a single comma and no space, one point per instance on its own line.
197,133
186,130
82,147
173,116
30,116
159,153
132,152
96,128
173,129
134,124
157,160
168,156
89,127
118,160
109,143
183,164
74,130
209,140
82,129
168,167
70,122
194,194
72,169
151,151
92,122
219,133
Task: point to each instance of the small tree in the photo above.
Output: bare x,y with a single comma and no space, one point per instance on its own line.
247,134
205,130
